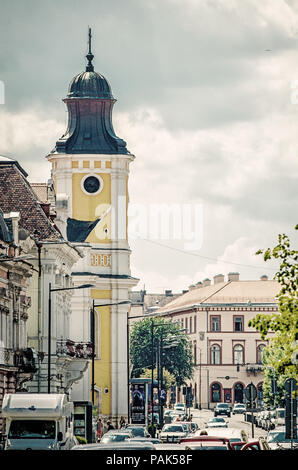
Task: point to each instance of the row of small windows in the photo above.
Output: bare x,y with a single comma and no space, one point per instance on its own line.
190,323
238,354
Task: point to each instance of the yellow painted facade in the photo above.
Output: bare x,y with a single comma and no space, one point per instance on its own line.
88,207
102,366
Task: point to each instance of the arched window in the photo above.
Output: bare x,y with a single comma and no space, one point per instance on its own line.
215,392
215,354
260,353
238,354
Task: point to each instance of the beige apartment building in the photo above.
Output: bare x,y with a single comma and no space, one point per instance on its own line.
227,352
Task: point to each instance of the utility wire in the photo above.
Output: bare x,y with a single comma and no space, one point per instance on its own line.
206,257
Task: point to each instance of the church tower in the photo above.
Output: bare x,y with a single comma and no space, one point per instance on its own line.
90,168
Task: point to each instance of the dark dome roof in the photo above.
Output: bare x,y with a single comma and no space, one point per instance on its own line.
89,84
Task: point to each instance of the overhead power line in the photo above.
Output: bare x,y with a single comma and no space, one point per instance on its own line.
206,257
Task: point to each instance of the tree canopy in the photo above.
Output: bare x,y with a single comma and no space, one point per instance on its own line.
280,357
177,349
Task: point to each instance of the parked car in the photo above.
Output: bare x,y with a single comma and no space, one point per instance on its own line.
115,436
239,408
222,409
269,421
137,430
264,418
123,445
186,425
260,444
172,432
174,415
205,442
217,423
194,427
276,439
233,434
144,440
179,407
279,417
258,418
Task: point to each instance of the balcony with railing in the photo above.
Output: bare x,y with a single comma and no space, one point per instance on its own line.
77,350
254,369
22,359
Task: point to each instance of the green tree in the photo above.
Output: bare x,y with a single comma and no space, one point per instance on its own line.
281,354
177,359
168,378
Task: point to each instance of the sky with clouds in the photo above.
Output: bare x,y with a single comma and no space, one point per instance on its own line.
207,101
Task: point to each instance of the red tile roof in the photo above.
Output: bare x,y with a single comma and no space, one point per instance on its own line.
16,195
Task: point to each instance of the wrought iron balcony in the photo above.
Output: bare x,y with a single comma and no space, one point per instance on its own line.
73,349
254,369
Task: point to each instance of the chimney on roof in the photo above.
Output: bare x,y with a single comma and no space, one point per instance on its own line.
199,285
233,277
218,278
264,277
192,287
206,282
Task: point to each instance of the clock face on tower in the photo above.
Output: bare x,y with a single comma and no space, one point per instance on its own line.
91,184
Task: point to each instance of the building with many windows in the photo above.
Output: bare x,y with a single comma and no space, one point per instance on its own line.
227,352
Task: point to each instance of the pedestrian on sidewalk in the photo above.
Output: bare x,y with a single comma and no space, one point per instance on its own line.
122,422
99,429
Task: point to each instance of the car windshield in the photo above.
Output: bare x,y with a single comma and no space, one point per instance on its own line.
171,428
278,437
140,432
114,438
32,429
216,420
222,405
281,413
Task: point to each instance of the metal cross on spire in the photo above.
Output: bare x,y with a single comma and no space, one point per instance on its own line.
89,56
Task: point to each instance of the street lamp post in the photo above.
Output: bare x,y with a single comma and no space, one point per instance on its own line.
83,286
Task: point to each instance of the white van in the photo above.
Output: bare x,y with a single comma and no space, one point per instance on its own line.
38,421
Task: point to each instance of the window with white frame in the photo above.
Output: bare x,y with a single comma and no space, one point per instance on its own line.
215,354
238,354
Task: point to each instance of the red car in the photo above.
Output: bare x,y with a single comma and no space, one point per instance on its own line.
206,443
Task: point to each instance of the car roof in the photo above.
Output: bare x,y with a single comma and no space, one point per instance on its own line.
204,438
117,445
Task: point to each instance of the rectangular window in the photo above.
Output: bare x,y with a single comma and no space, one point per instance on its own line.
190,325
215,323
238,323
186,324
195,324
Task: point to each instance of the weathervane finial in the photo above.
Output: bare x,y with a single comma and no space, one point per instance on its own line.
89,56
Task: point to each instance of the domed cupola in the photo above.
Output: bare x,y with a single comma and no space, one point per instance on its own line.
90,102
89,85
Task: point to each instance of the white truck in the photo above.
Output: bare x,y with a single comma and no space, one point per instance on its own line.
38,421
